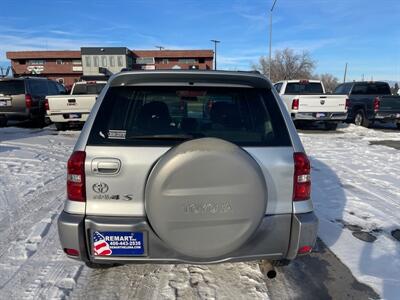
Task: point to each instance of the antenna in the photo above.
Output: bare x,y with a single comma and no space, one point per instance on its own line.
160,47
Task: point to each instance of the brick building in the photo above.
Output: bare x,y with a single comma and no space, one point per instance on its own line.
57,65
173,59
67,65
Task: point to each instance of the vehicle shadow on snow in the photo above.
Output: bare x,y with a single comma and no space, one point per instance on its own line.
321,275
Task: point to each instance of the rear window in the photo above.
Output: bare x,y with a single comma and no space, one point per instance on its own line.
12,87
146,116
89,88
376,88
305,87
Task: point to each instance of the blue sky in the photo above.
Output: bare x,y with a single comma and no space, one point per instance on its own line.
364,33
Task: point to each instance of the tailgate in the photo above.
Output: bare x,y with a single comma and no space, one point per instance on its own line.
71,103
322,103
389,104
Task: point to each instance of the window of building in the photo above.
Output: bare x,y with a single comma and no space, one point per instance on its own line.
59,62
22,61
202,60
188,61
145,60
88,61
120,61
112,61
77,62
36,62
95,61
165,61
104,61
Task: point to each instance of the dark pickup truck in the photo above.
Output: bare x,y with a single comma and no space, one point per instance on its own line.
370,102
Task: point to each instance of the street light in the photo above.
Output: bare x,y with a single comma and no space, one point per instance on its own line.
270,39
215,52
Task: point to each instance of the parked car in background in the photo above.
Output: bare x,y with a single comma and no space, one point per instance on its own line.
23,98
75,107
153,178
370,102
307,102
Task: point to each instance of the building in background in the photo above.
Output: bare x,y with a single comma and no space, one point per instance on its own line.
109,60
63,66
173,59
69,66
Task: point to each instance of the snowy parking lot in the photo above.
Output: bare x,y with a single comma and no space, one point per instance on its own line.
356,193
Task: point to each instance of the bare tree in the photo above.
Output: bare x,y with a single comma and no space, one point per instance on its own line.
330,82
286,64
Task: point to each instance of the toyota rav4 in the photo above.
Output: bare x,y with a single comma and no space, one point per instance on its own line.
188,167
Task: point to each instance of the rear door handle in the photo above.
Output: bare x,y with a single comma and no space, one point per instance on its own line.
106,166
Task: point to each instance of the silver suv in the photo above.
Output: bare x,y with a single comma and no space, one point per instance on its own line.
188,166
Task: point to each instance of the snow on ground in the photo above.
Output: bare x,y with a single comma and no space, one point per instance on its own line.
356,193
32,264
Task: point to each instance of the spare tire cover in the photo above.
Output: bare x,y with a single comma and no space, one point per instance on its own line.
205,197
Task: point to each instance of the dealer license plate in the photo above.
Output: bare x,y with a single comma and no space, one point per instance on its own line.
121,243
320,115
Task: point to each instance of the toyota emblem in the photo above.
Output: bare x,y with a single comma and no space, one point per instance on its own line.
322,102
100,188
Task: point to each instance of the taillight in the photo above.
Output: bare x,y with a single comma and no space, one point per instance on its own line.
302,177
295,104
377,103
347,105
28,101
76,177
46,104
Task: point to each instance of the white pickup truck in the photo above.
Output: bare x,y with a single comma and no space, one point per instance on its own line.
73,108
307,102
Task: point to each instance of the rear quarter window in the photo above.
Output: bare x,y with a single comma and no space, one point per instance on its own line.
153,116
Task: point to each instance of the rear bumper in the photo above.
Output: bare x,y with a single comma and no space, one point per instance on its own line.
66,117
278,237
315,116
387,116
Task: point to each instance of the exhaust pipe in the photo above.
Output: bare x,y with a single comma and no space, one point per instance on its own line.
268,269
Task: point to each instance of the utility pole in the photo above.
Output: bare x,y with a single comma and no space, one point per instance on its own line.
270,40
215,52
160,47
345,73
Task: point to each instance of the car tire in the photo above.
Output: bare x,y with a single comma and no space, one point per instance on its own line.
360,119
60,126
205,198
330,126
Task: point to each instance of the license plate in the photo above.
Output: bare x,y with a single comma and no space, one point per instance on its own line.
5,102
320,115
112,243
74,116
